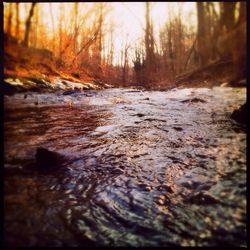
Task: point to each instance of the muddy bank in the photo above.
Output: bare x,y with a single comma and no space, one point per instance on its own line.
140,168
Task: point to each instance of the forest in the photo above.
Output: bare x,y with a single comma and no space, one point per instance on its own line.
85,41
124,124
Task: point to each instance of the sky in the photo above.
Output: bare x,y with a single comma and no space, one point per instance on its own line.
131,16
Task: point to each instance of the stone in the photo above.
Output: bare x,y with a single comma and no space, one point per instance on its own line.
160,201
178,128
240,114
46,159
194,100
117,171
70,92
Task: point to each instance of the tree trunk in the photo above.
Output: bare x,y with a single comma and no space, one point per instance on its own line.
149,46
27,25
76,28
125,65
99,56
60,31
227,16
9,24
227,25
201,34
17,20
148,35
53,27
170,51
242,15
36,28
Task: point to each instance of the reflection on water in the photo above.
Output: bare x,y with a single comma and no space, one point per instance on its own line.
141,169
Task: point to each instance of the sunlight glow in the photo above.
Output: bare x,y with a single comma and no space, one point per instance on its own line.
128,17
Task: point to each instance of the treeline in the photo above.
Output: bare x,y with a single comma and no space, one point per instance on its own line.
84,40
76,43
220,35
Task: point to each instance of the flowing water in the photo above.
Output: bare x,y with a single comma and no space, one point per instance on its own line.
139,168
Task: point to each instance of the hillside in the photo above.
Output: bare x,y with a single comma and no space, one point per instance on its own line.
27,68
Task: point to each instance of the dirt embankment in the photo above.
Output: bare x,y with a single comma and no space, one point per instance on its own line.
37,69
215,74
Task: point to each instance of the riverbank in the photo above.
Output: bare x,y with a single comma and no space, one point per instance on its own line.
38,70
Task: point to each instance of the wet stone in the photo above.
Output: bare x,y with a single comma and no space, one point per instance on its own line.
193,100
178,128
117,171
140,115
70,92
204,198
165,187
145,187
161,200
46,159
240,114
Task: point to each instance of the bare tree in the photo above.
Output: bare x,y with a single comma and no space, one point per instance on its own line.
76,26
242,13
227,19
9,24
53,27
201,33
125,63
149,45
27,25
17,20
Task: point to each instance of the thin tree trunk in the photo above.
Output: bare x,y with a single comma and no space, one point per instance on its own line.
9,24
201,35
125,65
17,20
76,28
60,31
36,28
190,53
242,14
87,44
53,27
27,25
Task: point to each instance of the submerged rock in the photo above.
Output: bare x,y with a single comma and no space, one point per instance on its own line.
193,100
240,114
178,128
8,89
204,198
70,92
46,159
117,171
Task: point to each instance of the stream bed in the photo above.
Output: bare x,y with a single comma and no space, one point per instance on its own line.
139,168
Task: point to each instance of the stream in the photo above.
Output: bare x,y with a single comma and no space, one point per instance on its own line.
139,168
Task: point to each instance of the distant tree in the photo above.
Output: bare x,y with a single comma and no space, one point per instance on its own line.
9,24
150,63
53,26
17,20
125,64
227,25
28,24
201,34
242,13
227,17
76,27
